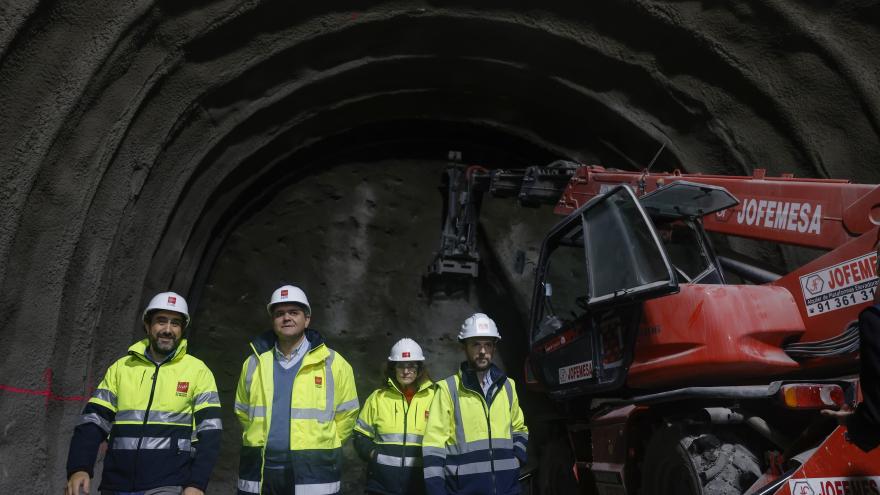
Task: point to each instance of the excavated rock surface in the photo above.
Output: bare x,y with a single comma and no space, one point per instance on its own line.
143,141
360,256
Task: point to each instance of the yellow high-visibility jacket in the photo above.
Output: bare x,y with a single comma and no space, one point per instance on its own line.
474,444
323,410
148,414
392,429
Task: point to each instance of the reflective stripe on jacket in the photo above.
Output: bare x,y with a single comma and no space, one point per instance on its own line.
473,445
323,409
149,414
394,428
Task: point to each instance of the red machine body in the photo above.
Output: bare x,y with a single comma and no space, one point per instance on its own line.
835,468
738,340
717,337
730,333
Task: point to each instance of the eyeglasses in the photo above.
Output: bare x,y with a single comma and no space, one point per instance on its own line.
162,321
407,366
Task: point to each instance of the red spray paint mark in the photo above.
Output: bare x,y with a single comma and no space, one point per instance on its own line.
698,311
47,392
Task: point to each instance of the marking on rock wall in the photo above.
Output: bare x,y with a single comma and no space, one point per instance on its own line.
47,392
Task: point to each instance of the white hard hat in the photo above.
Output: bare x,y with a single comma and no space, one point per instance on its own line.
478,325
168,301
406,350
289,294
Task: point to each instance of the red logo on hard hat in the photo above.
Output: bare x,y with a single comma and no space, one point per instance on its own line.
284,293
182,388
172,300
318,381
405,354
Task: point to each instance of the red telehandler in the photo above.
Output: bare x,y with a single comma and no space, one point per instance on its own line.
680,370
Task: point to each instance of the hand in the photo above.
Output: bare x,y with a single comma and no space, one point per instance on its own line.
191,490
78,481
840,415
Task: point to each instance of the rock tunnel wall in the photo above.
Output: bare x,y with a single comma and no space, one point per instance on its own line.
360,256
138,136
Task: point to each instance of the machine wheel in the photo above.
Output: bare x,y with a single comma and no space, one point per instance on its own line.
698,462
555,476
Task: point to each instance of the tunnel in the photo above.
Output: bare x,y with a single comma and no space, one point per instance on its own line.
223,148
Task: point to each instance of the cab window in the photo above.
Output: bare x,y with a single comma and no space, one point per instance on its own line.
565,284
686,251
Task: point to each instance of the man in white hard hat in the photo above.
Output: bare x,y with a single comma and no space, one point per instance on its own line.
297,403
149,425
475,440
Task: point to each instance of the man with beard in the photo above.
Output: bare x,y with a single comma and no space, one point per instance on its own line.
147,408
475,440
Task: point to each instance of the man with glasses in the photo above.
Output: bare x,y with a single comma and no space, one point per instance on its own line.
149,407
297,403
389,431
475,440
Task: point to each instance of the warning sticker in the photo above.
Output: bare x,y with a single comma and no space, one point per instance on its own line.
836,287
576,372
835,486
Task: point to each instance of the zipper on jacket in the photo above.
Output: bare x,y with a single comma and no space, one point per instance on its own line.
403,449
487,408
146,416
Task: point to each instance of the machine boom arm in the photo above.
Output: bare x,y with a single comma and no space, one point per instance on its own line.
816,213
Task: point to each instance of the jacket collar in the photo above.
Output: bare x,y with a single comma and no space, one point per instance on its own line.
425,384
139,349
266,341
470,381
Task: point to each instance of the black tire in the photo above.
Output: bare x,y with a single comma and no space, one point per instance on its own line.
555,476
704,462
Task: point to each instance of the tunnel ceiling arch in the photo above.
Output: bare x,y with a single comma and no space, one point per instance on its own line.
134,132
